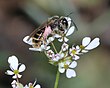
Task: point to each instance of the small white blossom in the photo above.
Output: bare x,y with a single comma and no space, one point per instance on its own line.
74,52
87,44
16,84
68,66
65,47
50,53
16,68
30,85
57,57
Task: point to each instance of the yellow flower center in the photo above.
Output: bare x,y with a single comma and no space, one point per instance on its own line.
82,47
66,66
74,52
16,71
31,86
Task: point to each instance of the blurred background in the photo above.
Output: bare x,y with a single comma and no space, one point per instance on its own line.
19,18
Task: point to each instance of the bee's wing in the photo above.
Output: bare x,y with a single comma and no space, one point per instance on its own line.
38,29
47,23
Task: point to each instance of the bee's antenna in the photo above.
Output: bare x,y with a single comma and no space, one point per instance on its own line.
74,25
70,14
72,20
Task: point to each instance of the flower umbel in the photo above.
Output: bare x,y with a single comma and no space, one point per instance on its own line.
66,58
15,67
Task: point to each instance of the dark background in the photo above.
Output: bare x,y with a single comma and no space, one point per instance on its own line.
19,18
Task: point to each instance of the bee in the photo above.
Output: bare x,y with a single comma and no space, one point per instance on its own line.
52,26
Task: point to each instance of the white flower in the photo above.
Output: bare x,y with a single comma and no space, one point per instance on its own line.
16,84
67,33
57,57
87,44
74,52
68,66
15,67
65,47
50,53
30,85
41,48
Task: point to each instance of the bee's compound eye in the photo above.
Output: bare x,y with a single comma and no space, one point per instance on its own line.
65,22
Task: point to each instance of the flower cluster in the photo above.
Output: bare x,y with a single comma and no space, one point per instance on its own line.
66,58
16,69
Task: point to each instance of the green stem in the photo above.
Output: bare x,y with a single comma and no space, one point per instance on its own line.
57,79
54,47
58,73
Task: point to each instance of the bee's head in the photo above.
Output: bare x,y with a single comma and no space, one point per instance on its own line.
64,23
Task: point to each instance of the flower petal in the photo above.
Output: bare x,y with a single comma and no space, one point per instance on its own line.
50,39
57,36
13,61
77,47
26,86
65,46
94,43
14,84
37,86
84,51
60,40
61,68
66,39
73,64
22,68
50,53
19,76
25,39
9,72
57,57
70,31
70,73
76,57
35,49
47,48
14,77
86,41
